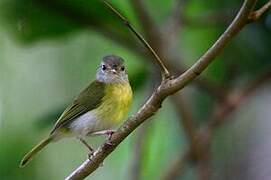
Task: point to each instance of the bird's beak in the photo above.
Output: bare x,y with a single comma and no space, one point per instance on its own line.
114,71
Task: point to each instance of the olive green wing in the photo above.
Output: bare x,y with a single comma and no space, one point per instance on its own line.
88,99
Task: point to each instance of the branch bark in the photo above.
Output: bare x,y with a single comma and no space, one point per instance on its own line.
167,87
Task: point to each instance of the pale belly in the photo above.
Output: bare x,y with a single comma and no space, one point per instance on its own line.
89,123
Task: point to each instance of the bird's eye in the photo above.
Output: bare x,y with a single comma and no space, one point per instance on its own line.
103,67
122,68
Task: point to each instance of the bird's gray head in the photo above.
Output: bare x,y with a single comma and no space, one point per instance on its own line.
112,70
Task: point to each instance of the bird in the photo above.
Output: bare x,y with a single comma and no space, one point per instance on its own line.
97,110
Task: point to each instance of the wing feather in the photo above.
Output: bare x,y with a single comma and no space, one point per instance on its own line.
88,99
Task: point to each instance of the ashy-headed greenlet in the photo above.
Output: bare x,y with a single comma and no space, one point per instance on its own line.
98,109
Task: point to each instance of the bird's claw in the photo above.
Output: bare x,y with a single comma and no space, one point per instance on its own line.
109,133
110,143
90,155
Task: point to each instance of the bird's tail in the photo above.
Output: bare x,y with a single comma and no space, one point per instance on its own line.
34,151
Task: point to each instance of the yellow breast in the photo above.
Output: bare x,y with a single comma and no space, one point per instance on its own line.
115,104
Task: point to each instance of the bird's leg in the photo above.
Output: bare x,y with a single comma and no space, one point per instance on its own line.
109,134
91,150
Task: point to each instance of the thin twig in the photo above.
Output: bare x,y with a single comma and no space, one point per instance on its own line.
167,87
164,70
258,13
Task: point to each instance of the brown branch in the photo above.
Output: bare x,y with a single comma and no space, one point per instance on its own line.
166,88
258,13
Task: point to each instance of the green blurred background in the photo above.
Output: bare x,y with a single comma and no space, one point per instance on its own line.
49,51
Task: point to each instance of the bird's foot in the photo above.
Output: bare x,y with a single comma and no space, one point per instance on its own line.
109,143
91,155
109,134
